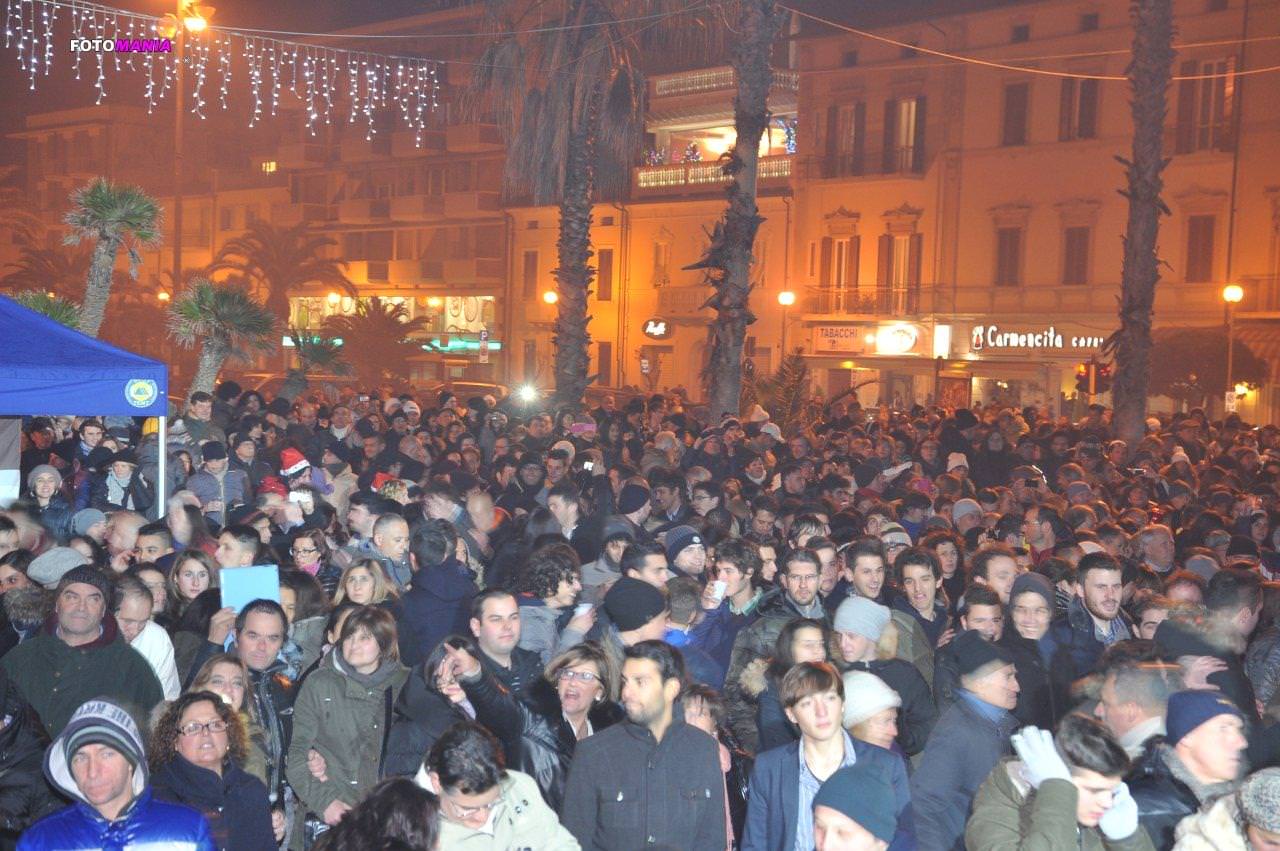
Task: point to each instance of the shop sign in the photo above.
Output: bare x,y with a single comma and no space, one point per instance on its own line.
657,329
994,337
839,338
484,346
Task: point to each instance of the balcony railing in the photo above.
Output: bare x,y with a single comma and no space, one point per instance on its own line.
878,300
713,80
703,176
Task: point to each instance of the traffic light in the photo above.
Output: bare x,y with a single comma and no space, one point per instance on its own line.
1102,381
1082,378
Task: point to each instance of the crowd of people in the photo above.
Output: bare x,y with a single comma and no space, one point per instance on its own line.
629,626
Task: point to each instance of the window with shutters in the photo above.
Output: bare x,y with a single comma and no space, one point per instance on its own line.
529,275
530,360
904,129
1075,255
839,272
661,263
1200,248
898,273
1078,110
1008,257
1205,106
604,363
1017,99
846,139
604,274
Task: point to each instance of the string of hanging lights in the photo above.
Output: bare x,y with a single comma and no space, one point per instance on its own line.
118,40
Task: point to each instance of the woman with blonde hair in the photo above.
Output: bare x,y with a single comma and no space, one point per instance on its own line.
193,573
197,749
366,583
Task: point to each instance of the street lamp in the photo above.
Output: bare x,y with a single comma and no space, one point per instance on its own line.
1232,294
333,298
550,297
189,18
786,298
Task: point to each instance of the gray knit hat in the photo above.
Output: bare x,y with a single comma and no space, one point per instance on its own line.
38,471
862,616
1260,800
50,566
85,518
97,722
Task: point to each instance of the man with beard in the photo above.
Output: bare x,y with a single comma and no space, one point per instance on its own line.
1094,620
651,776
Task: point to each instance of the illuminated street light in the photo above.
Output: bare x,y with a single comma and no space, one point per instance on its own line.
1232,294
333,299
786,298
162,295
550,297
528,393
434,301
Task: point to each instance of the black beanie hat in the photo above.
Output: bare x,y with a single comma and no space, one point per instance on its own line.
632,603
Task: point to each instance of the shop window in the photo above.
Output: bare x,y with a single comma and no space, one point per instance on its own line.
1205,106
530,275
1017,100
1008,257
1078,110
1075,256
1200,248
604,274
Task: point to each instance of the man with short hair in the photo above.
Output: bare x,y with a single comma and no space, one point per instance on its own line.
495,623
219,488
237,547
438,602
391,548
1094,620
1200,760
1043,530
652,780
966,743
996,567
646,561
1063,791
670,508
485,806
80,654
981,612
199,420
786,780
1133,700
736,564
1156,545
859,624
155,545
100,762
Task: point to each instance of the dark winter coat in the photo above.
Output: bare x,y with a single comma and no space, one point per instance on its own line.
56,518
234,804
437,604
918,715
25,797
1163,799
1074,635
420,716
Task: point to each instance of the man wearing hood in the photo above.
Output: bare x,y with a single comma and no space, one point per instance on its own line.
100,762
80,654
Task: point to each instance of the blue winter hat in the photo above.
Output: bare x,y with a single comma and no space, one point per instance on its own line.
1190,708
863,793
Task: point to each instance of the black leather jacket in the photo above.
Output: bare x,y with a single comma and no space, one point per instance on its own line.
1163,800
534,730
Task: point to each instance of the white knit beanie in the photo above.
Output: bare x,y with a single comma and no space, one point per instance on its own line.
865,694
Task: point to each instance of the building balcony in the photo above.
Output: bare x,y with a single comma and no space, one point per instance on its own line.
358,149
473,138
693,178
363,211
880,164
415,272
288,215
477,204
228,180
475,271
404,143
863,301
297,155
368,271
705,80
417,208
683,302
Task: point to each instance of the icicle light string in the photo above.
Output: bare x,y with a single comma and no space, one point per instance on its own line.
35,31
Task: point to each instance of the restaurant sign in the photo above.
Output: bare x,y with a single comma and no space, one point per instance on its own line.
986,337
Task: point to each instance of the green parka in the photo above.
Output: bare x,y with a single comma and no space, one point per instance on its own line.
1008,815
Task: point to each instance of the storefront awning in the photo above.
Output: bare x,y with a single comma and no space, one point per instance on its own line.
1264,341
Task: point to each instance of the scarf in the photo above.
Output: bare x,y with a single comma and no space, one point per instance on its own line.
116,489
371,681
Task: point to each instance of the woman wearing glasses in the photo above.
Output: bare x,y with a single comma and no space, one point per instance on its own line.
576,698
197,749
311,554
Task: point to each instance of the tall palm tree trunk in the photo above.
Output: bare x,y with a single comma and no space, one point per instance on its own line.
574,272
98,288
762,20
1148,72
213,353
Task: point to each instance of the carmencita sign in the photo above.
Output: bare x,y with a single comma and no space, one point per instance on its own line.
994,337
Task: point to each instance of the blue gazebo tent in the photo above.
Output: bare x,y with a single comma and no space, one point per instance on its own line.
48,368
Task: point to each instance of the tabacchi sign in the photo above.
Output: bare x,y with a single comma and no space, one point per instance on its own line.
993,337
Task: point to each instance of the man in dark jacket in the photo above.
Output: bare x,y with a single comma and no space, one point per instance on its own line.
80,654
968,741
786,779
652,780
1094,619
24,795
438,602
495,623
1199,761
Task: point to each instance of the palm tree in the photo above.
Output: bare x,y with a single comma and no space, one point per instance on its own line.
315,354
1148,72
569,102
728,259
227,322
61,270
58,309
377,338
116,217
279,261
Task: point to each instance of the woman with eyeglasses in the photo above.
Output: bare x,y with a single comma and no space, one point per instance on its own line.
197,749
310,552
576,698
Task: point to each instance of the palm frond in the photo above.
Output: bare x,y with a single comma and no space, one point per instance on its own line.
225,312
58,309
103,209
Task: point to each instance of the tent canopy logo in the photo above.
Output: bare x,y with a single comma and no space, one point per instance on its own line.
141,392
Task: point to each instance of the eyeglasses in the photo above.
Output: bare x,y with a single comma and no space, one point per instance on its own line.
195,728
585,676
462,812
300,551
